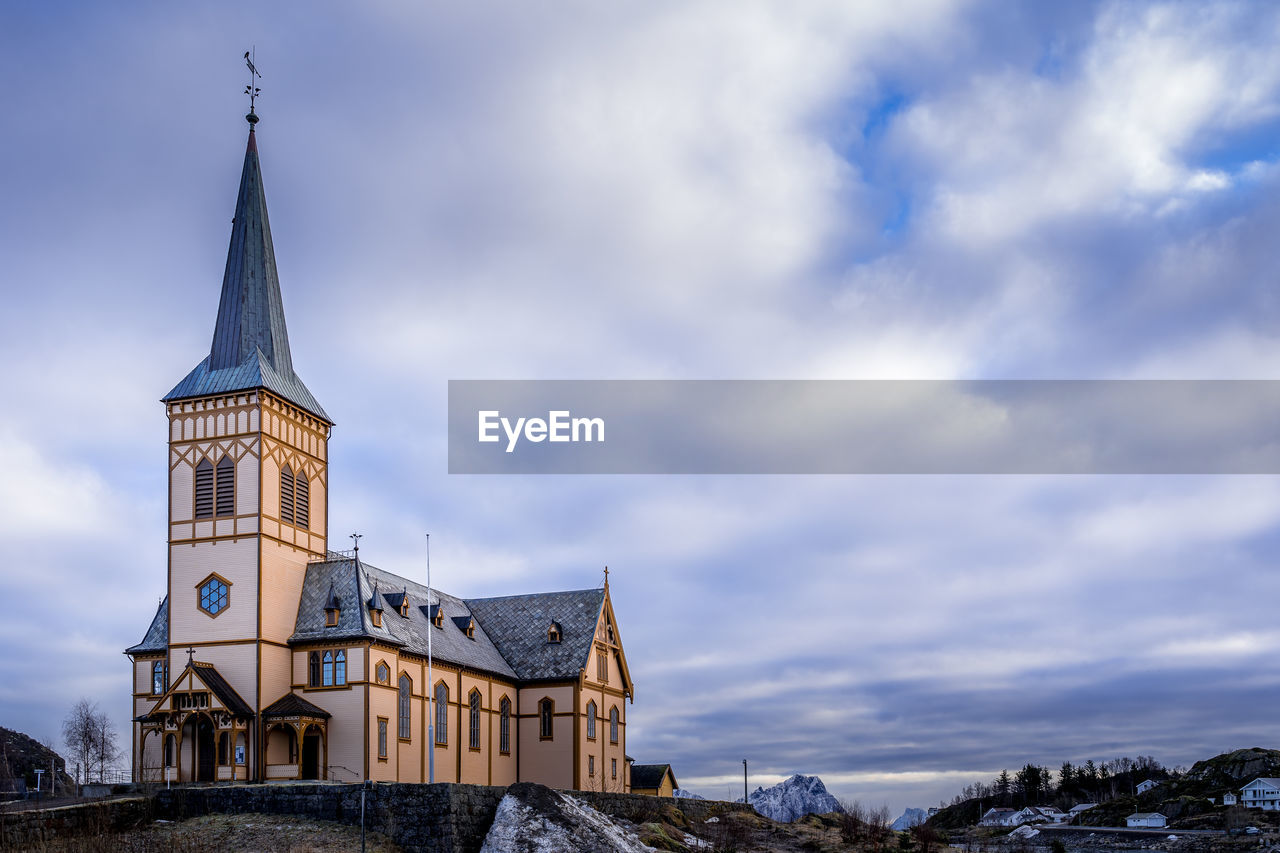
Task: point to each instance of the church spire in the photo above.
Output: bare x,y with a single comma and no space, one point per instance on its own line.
250,313
250,342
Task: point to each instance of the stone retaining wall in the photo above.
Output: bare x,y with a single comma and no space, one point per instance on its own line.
441,818
27,830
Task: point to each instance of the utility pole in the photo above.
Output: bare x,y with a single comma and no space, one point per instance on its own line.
431,689
744,783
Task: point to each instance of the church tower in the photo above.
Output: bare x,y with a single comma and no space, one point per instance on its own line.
248,483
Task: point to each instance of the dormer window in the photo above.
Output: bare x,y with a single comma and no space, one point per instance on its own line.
332,608
375,616
471,630
375,609
437,615
467,625
554,634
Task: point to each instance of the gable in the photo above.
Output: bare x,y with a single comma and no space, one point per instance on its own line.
200,687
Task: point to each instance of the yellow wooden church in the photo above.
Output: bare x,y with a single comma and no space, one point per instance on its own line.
273,657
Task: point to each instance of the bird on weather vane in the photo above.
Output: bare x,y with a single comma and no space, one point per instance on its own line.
251,90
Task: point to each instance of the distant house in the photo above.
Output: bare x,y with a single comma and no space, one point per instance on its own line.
1262,793
1083,807
993,817
1229,799
1147,785
1146,819
656,780
1039,814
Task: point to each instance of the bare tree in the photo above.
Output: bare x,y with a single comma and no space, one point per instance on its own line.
852,821
925,836
878,826
90,738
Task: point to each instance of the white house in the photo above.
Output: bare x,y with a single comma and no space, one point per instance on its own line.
1146,819
1000,817
1229,799
1147,785
1049,813
1262,793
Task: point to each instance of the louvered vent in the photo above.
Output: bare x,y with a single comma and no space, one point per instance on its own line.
226,486
286,494
204,489
302,501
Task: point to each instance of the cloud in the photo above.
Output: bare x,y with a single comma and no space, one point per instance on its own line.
679,191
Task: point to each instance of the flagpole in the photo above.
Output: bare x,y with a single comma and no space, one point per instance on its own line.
431,689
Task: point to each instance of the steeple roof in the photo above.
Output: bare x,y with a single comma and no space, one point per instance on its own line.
250,342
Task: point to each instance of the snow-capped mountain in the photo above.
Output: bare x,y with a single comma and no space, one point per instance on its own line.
679,793
792,799
908,819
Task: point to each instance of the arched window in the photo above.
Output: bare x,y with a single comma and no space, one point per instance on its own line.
406,691
340,667
327,680
302,501
313,678
504,726
613,724
591,719
226,491
546,712
442,713
286,494
157,678
204,489
383,673
475,719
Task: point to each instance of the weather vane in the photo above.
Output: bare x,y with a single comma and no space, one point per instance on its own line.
356,537
251,90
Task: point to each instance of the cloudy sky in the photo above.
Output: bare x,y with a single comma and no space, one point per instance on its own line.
675,190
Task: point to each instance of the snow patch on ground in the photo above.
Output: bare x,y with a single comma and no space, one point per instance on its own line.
1024,832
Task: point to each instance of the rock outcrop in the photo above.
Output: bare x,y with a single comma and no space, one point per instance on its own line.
533,818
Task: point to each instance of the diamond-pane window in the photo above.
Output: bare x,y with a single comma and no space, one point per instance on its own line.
215,595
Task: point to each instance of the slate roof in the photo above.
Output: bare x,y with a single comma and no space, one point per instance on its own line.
157,636
254,372
650,775
519,623
510,632
293,705
354,585
250,341
209,674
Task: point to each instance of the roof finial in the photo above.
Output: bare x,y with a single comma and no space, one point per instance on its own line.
251,90
356,537
191,657
606,577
